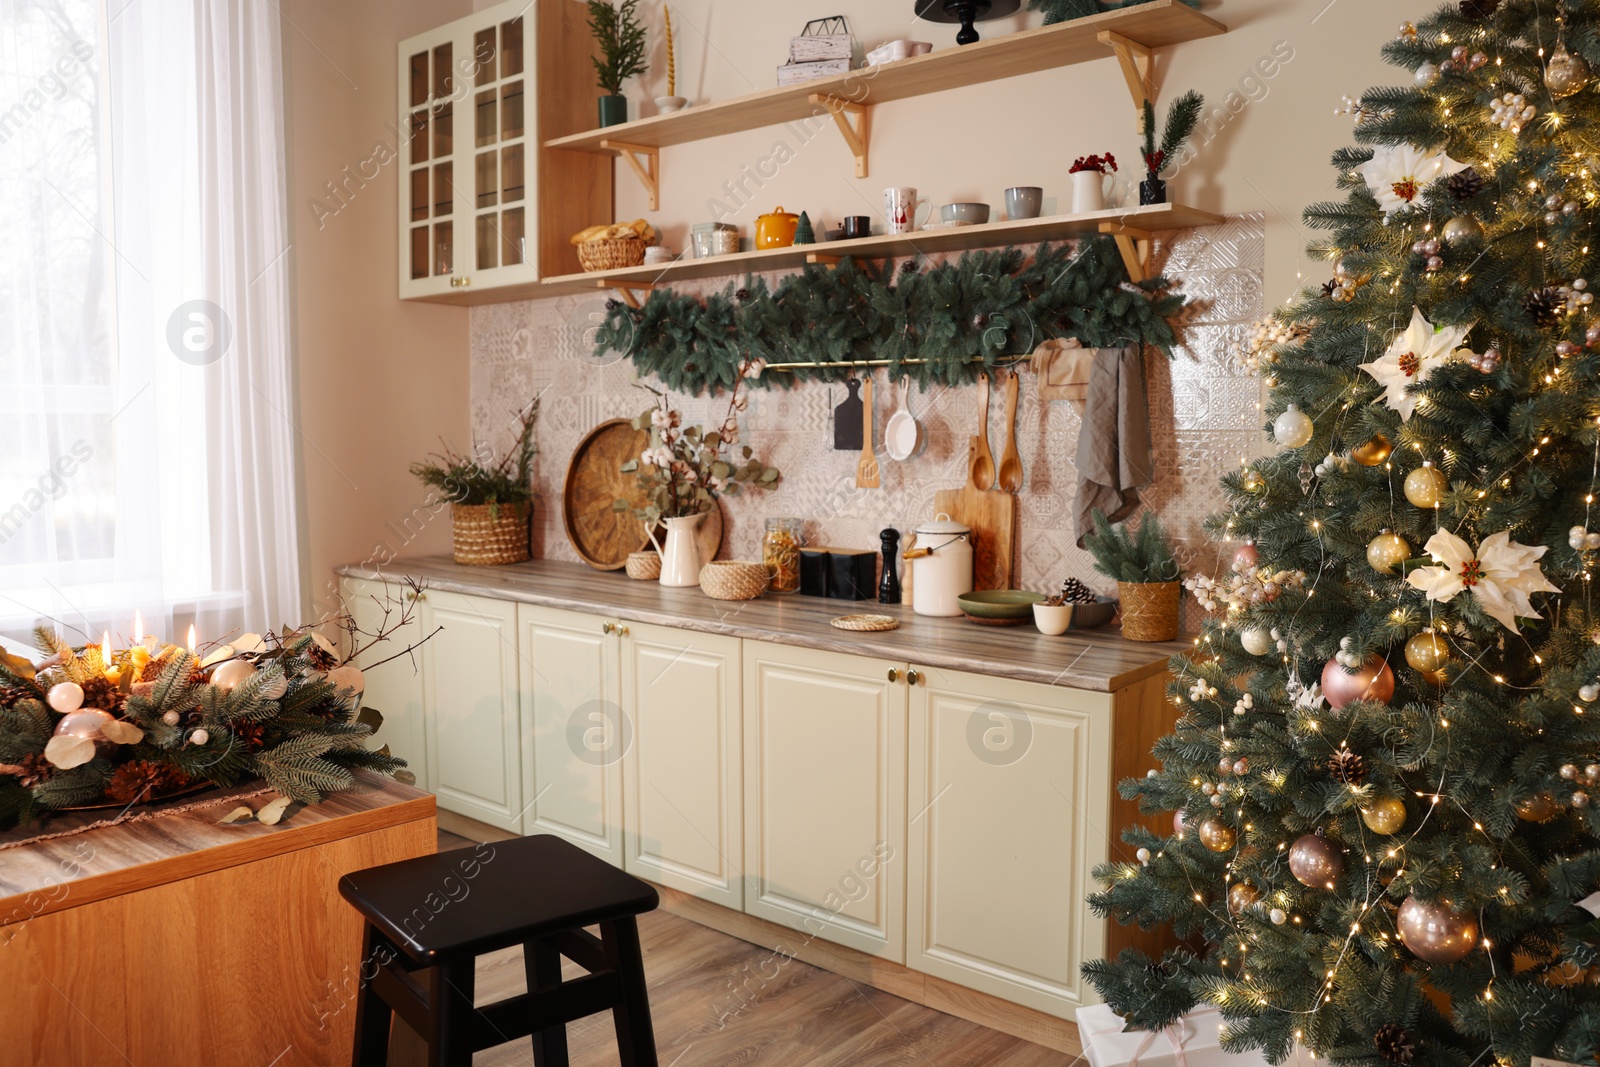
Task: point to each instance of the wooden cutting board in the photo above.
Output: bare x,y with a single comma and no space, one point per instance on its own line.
992,515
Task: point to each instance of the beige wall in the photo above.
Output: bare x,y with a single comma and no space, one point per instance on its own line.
381,381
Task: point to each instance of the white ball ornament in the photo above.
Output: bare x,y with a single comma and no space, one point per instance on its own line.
1427,76
1589,693
233,673
200,736
1143,855
1293,428
65,697
1575,538
1255,640
171,718
1277,916
276,689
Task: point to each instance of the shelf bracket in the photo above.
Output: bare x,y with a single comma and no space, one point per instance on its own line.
629,291
1135,248
858,134
1137,62
645,163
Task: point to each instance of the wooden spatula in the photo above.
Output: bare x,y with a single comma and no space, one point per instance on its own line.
867,466
1011,460
983,465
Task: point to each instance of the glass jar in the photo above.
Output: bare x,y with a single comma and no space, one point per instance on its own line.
780,551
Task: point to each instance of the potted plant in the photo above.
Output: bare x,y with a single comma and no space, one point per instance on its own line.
1088,182
682,472
1146,573
621,56
1182,117
490,503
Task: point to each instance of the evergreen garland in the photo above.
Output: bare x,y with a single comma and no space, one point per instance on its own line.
958,318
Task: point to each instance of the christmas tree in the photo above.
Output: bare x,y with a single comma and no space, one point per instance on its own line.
1382,769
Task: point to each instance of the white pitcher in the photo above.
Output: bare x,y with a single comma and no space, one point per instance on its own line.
1089,192
680,559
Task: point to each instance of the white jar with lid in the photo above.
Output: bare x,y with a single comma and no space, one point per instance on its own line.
941,566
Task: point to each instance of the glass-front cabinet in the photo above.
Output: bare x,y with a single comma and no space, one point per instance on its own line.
469,158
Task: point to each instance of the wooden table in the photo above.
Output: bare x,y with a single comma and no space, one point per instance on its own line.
181,941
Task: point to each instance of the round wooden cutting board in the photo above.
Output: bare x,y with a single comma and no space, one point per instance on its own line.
603,537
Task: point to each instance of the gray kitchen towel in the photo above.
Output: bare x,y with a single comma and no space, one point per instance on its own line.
1114,443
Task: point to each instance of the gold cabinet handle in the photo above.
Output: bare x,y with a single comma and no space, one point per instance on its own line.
466,282
455,283
894,675
622,631
607,627
913,677
415,597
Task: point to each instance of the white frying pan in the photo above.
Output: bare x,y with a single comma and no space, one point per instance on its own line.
903,437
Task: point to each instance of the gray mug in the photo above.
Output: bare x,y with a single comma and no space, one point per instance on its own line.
1024,202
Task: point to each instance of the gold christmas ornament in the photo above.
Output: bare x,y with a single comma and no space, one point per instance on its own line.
1373,453
1428,652
1435,933
1426,485
1385,816
1216,836
1462,230
1315,862
1241,895
1386,552
1541,807
1566,73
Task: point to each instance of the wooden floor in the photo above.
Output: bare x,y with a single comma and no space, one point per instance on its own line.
803,1017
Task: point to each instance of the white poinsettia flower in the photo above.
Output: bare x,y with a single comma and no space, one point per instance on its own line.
1414,354
1397,174
1500,574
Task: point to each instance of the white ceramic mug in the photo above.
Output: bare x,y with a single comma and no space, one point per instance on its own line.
900,206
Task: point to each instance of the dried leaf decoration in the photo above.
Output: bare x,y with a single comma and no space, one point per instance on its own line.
272,813
236,815
66,753
121,732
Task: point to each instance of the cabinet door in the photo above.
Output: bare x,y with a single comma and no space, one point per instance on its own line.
469,701
825,795
573,731
394,688
682,774
1009,798
432,105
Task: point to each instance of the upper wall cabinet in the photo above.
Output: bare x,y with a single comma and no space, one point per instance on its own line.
479,212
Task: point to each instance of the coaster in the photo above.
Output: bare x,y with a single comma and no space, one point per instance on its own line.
866,622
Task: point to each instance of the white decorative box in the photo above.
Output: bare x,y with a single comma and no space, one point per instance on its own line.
798,73
1192,1041
813,47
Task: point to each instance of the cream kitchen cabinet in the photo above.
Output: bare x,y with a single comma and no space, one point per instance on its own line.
395,688
478,213
1009,786
682,770
825,794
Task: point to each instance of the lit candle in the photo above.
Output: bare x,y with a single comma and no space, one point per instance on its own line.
111,672
191,639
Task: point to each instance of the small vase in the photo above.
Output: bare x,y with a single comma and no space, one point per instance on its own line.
668,104
613,110
1052,619
1088,192
680,556
1152,190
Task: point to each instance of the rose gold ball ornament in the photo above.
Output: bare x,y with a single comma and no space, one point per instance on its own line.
1541,807
1241,895
1315,862
1566,73
1216,836
65,697
86,724
1435,933
1177,821
232,673
1386,552
1425,486
1373,453
1245,557
1373,681
1427,652
1385,816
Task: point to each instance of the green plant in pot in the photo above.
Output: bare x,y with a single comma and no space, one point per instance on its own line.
490,500
1182,118
1146,573
622,46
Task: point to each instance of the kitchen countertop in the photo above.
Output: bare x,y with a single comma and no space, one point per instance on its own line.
1099,659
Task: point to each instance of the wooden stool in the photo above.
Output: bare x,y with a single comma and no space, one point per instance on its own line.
428,919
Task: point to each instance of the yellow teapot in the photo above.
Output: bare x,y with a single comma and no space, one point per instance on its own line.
776,228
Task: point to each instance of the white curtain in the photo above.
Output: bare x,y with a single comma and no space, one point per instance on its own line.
146,412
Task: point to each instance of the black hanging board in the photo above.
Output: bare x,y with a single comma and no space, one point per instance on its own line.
847,420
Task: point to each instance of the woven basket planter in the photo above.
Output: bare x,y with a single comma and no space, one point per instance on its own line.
1149,610
487,534
731,579
644,566
611,254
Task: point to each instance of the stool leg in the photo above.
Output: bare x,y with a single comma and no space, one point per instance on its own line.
450,991
373,1017
636,1039
543,965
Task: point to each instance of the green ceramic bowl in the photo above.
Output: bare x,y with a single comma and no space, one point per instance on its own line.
999,605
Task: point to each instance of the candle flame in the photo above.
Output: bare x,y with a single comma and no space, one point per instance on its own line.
105,648
191,639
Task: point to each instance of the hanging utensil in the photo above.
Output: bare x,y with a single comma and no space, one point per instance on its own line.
1011,459
983,460
867,466
902,437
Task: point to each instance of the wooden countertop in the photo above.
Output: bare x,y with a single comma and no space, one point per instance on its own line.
65,872
1098,660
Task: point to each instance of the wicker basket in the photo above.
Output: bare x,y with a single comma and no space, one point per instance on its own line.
644,566
487,534
731,579
611,254
1149,610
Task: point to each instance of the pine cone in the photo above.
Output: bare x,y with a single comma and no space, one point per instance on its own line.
252,735
1478,10
12,695
1394,1044
101,693
320,658
35,770
613,304
140,781
741,294
980,321
1075,592
1328,287
1466,184
1542,306
908,267
1347,767
152,670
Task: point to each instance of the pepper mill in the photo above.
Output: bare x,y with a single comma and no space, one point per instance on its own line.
889,587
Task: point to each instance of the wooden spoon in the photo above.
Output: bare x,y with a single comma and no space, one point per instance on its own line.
867,465
983,462
1010,459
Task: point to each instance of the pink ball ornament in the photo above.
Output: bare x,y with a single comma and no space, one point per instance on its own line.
1177,821
1374,681
1245,557
87,724
1435,933
1315,862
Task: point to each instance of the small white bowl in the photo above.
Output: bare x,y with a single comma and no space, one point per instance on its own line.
1052,619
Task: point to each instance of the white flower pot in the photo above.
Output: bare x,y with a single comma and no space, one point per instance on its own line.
1052,619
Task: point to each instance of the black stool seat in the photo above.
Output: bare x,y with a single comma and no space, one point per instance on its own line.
428,918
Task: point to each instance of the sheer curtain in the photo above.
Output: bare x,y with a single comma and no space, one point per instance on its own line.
146,434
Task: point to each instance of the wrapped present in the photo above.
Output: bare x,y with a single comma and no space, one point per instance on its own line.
1193,1041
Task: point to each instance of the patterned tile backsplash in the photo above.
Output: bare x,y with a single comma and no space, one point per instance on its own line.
1204,419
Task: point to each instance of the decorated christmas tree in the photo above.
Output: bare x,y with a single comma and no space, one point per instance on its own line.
1381,775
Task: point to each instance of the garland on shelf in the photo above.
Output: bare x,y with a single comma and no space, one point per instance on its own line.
943,325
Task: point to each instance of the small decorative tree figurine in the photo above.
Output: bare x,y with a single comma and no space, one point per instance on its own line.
804,233
622,44
1182,117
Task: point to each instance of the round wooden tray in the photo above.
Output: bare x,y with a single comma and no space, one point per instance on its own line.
865,623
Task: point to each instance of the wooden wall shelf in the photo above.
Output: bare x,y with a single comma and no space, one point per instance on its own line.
1131,226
